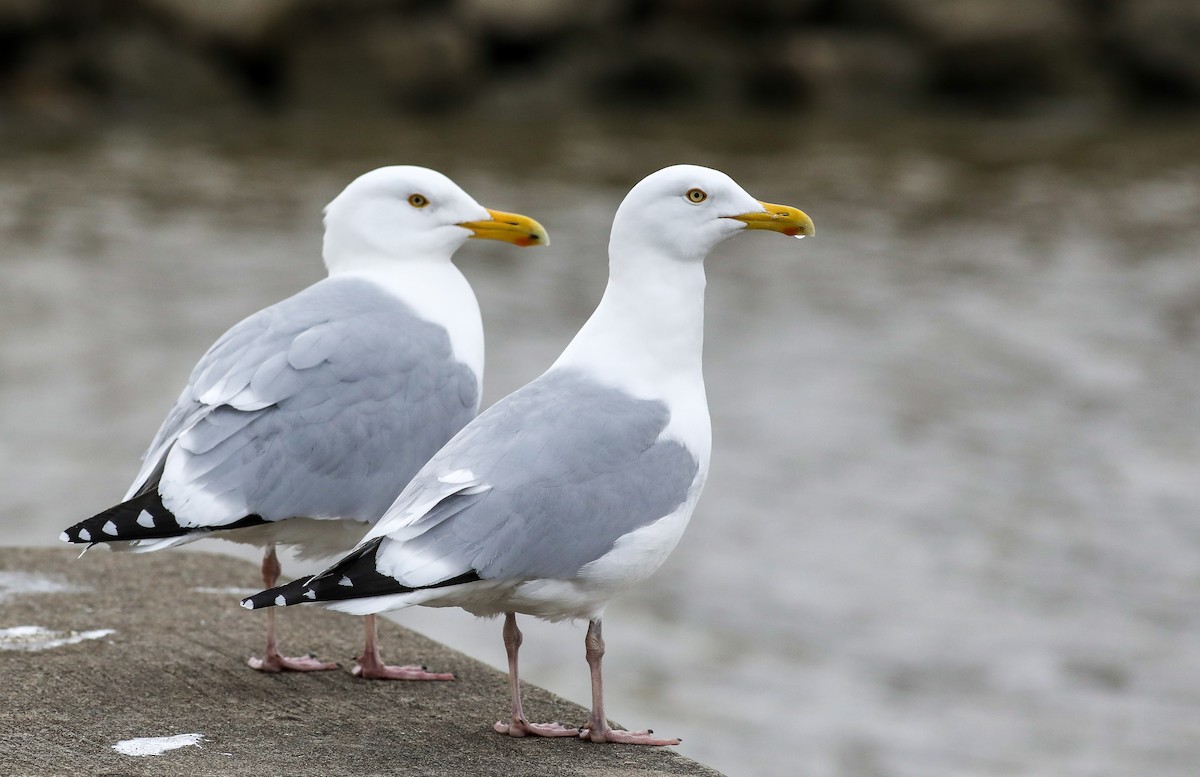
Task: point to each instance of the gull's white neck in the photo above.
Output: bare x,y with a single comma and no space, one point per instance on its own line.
647,338
436,291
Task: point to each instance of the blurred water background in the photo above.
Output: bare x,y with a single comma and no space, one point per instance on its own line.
952,522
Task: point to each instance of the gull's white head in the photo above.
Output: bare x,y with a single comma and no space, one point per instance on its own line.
684,211
410,213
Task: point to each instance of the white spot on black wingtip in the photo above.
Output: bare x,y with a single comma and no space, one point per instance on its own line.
346,582
248,604
85,535
310,594
280,601
109,528
64,537
145,519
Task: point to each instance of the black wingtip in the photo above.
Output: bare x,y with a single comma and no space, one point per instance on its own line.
87,532
144,517
353,577
295,592
330,585
259,600
141,518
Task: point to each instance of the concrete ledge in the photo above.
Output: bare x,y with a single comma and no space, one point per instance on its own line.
174,663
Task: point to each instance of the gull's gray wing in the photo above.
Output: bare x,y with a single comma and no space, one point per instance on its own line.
539,485
323,405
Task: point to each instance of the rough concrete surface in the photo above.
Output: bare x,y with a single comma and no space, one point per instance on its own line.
175,663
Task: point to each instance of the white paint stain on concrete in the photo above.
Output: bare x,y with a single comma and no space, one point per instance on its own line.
16,583
227,591
156,745
33,638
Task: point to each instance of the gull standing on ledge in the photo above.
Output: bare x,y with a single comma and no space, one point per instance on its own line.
302,423
576,487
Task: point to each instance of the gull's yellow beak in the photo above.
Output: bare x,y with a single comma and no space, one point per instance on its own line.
779,218
509,228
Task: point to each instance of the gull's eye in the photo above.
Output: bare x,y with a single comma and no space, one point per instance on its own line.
418,200
696,195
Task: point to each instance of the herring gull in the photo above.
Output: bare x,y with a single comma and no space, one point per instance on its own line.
576,487
302,423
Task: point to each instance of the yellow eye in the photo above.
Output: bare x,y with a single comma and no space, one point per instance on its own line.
418,200
696,195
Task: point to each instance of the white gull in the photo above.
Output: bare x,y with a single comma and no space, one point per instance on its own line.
576,487
302,423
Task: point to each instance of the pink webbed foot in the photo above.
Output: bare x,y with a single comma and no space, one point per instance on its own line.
277,663
607,734
380,671
370,664
523,728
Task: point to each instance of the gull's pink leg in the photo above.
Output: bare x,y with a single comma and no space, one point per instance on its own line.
519,726
370,664
273,661
597,728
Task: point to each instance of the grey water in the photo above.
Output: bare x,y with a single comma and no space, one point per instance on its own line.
953,520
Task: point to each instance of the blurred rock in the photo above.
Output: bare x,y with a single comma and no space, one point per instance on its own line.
736,17
963,22
662,67
527,37
783,55
430,65
1159,40
524,19
90,61
377,61
851,72
995,54
44,84
24,12
142,70
240,21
